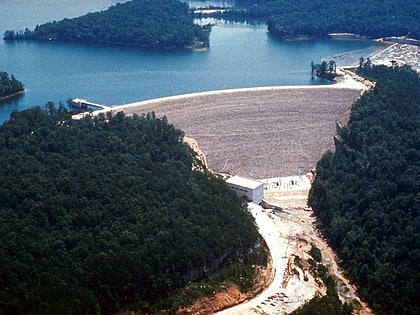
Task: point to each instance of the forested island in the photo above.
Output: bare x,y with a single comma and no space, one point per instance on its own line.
9,86
113,213
158,24
366,194
325,70
169,24
289,19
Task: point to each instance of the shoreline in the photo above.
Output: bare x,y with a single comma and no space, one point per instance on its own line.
347,82
3,98
267,123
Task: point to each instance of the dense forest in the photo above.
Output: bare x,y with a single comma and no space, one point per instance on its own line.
169,23
143,23
102,213
9,85
289,19
366,194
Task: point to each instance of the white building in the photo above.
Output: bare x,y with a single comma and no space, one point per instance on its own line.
252,190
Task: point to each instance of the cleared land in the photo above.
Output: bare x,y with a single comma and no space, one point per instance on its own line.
267,132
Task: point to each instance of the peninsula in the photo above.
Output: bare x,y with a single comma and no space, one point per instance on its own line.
289,19
9,86
156,24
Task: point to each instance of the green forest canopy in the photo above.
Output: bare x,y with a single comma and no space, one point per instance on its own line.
142,23
9,85
169,23
307,18
366,195
96,215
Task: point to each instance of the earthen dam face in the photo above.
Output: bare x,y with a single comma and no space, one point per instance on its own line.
261,132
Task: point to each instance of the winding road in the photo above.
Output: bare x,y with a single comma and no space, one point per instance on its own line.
277,245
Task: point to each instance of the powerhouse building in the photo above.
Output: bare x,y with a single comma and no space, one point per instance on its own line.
252,190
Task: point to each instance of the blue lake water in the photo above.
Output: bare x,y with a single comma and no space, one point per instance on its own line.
241,55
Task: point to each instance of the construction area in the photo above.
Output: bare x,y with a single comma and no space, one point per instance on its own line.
289,230
288,227
399,54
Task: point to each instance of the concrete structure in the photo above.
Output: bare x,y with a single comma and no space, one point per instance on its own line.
84,104
252,190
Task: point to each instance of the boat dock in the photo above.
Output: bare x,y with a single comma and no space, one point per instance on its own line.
84,104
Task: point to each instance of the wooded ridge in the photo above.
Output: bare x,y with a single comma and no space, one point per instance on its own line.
106,213
366,194
289,19
160,24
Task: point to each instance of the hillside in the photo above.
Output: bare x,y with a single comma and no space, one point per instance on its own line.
102,214
288,19
158,24
366,194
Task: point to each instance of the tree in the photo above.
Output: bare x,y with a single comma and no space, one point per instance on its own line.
331,67
9,86
292,19
325,69
105,213
364,196
158,24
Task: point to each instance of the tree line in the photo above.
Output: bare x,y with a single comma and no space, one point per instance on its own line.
288,19
159,24
103,214
9,85
169,24
366,194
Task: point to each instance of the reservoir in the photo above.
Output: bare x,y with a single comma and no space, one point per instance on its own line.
240,55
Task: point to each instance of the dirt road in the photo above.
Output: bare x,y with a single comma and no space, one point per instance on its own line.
277,246
289,233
